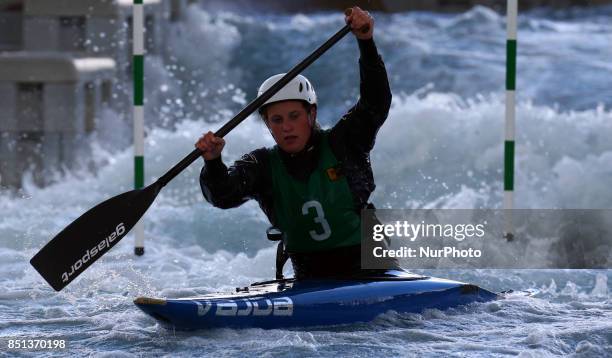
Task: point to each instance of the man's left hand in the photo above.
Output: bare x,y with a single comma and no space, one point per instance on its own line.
360,20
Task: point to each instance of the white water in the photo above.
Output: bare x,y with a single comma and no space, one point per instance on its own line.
441,147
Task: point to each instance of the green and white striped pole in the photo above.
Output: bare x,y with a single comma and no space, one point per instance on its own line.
512,13
138,78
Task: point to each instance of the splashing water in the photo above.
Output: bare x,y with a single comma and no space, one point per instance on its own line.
440,148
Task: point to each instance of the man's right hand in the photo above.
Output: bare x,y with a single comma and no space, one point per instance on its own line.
210,146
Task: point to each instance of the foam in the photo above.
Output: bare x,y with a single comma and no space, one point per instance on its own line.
441,147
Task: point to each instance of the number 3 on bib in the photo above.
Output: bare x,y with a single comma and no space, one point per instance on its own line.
319,219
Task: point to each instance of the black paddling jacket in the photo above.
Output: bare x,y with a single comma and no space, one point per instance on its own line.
351,141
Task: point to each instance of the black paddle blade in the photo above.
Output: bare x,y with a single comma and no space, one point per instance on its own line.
90,236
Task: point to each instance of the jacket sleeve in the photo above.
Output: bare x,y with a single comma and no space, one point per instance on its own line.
360,124
230,187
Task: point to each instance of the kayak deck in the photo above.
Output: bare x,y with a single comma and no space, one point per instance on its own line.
291,303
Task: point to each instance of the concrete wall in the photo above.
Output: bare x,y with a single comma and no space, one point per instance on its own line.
41,34
63,115
45,145
8,98
99,8
45,33
20,152
103,36
10,31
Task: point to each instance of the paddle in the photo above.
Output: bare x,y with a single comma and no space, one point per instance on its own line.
90,236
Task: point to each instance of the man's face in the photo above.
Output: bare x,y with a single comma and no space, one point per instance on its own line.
288,121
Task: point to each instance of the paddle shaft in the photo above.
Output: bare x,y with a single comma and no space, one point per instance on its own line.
95,232
256,103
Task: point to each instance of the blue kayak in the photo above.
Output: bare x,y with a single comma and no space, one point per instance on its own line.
291,303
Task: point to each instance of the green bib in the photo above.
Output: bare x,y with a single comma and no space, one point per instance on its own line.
317,214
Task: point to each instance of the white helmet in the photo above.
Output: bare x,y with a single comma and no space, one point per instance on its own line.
299,88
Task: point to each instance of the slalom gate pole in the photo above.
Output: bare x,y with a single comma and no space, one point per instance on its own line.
512,12
138,111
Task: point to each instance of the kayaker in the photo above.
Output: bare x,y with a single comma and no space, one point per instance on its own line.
313,184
